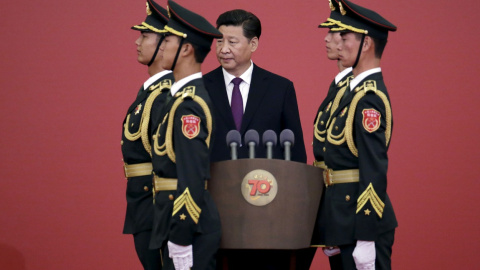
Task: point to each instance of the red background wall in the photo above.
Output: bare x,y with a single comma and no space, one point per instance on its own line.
68,72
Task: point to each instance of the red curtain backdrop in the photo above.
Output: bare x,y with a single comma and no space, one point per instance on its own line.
68,72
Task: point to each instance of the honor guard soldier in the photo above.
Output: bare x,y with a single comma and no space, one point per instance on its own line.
357,212
337,90
135,142
186,221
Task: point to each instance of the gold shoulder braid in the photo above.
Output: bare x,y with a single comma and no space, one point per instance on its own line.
187,93
131,136
159,88
146,112
136,135
346,81
335,139
336,102
316,131
159,150
368,86
337,99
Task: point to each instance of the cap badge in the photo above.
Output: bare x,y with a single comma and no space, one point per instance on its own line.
332,8
149,12
342,10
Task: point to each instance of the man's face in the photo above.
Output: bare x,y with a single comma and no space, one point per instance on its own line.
169,47
146,45
332,40
234,50
348,49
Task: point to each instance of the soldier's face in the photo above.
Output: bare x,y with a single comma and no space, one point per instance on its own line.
169,46
348,48
332,41
146,45
234,50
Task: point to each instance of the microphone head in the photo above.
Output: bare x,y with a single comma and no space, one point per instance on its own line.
233,136
287,136
252,136
269,136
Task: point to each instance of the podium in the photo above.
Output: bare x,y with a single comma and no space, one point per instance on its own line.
266,203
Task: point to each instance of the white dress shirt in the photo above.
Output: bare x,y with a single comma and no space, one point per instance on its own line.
244,85
178,85
363,75
155,77
342,74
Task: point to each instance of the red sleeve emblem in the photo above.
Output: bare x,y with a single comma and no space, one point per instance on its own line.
190,126
371,120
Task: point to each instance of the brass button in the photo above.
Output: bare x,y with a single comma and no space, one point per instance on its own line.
336,128
347,198
324,149
121,142
321,123
145,188
170,197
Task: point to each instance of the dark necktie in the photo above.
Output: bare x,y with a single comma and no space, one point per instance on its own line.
237,103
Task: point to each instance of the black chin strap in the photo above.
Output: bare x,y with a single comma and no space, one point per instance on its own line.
156,50
178,52
359,51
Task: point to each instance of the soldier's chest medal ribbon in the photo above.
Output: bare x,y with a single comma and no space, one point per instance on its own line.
138,109
190,126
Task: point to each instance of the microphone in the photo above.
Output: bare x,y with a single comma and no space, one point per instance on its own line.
233,140
269,139
287,138
252,139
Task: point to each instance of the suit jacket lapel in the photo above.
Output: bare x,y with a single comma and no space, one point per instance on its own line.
258,89
219,97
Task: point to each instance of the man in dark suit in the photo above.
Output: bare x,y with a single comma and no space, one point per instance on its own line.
135,146
267,102
358,214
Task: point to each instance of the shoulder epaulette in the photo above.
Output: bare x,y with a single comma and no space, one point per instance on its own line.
164,84
154,86
367,86
345,81
188,92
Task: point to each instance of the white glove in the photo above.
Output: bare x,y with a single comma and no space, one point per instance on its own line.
331,251
364,255
182,256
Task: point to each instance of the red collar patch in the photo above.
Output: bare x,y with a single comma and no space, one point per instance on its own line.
190,126
371,120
